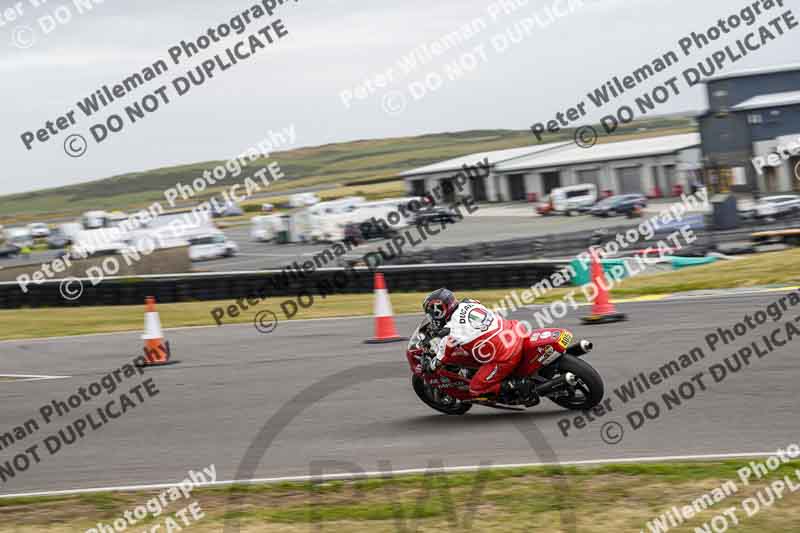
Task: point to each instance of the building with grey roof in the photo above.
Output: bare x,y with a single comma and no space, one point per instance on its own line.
653,166
423,179
752,113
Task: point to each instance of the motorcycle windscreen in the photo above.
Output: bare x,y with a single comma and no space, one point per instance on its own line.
415,342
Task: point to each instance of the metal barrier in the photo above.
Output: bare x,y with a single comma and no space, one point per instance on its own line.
323,281
478,266
563,245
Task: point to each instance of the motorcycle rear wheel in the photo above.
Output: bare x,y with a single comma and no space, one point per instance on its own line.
590,384
423,392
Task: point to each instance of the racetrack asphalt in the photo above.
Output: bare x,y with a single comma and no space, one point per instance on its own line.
329,396
472,230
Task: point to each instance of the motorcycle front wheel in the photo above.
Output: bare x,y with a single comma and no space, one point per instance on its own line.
589,389
435,400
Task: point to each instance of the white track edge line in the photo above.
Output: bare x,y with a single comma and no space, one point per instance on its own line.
32,377
410,471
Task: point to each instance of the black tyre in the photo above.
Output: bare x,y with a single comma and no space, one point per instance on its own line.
426,394
589,390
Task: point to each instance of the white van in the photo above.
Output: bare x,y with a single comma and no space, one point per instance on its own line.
573,199
39,230
101,241
70,230
19,237
303,199
307,225
205,245
334,227
265,228
94,220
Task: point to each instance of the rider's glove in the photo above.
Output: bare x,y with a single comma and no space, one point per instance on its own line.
434,345
428,364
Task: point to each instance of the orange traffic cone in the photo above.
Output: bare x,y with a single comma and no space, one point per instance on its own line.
385,331
603,311
156,349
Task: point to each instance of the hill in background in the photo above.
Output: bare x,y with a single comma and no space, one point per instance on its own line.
348,163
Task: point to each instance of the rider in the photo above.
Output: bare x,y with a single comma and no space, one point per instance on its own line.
493,341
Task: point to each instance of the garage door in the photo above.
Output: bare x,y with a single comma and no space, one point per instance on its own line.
418,188
516,187
630,180
550,181
448,190
590,177
478,187
670,179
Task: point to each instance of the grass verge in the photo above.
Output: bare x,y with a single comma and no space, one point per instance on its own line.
607,499
778,268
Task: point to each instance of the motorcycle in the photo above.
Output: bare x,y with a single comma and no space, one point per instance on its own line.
551,367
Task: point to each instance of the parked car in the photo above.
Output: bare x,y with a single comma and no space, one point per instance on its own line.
58,239
623,204
7,249
19,237
227,210
211,246
435,214
368,220
94,220
746,209
363,231
39,230
303,199
777,206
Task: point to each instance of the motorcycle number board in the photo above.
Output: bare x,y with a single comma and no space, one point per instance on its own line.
565,339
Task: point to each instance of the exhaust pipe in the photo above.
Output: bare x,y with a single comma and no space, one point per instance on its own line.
582,347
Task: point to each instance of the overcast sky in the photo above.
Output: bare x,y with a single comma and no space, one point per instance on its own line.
331,47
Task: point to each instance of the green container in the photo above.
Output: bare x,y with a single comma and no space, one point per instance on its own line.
683,262
282,237
583,273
